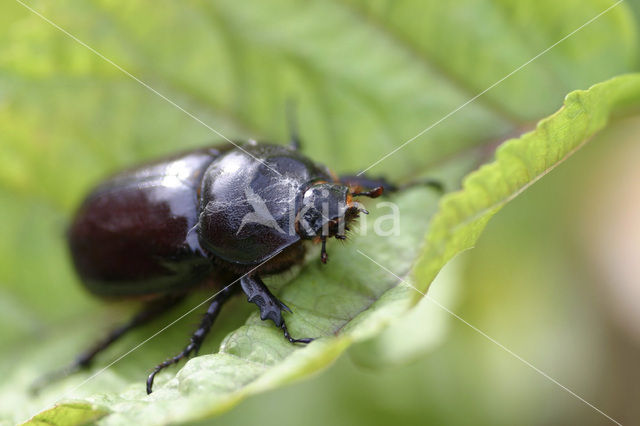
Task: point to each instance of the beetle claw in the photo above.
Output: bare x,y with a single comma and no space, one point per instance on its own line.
285,307
304,340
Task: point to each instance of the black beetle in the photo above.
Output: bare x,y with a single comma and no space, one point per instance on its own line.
221,215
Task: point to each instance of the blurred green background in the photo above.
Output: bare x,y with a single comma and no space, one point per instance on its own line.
553,278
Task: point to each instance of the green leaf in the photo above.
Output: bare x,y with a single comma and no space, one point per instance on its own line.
519,164
372,74
254,358
69,414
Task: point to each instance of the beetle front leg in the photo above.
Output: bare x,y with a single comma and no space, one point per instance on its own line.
270,307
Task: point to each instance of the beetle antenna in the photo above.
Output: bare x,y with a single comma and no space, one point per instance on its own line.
323,251
374,193
292,123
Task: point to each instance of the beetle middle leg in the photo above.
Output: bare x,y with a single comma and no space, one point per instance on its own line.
150,311
270,307
198,336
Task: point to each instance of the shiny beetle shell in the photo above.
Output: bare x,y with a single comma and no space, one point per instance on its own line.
263,182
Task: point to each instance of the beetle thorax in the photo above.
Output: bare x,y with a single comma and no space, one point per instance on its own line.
249,202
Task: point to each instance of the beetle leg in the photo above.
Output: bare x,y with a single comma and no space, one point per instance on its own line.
150,311
270,307
292,122
323,252
198,336
258,293
291,339
365,183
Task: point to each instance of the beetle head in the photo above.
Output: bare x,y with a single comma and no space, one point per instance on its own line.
326,211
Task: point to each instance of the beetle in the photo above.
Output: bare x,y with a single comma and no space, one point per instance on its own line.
225,214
